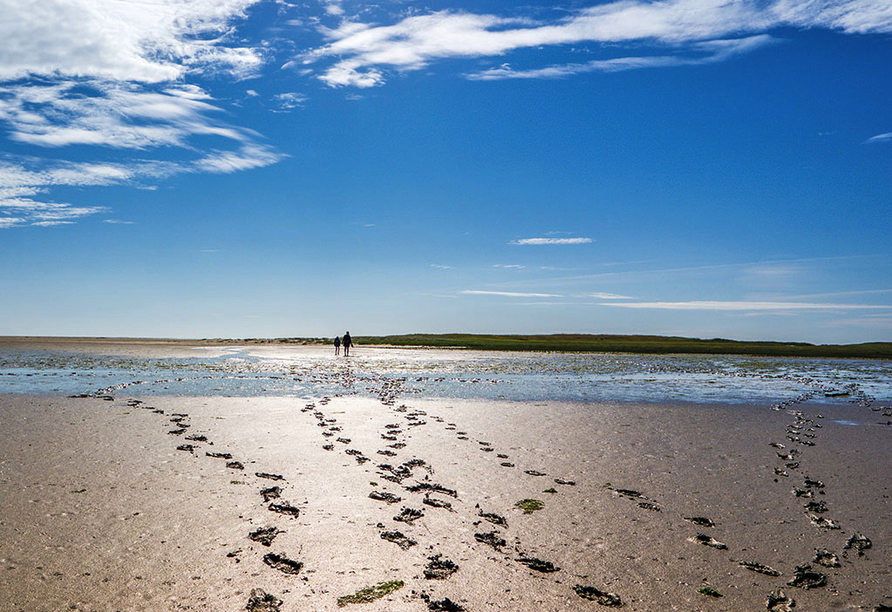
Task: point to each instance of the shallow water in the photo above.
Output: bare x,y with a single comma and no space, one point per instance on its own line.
248,371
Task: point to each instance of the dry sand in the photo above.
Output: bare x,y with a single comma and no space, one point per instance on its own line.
100,511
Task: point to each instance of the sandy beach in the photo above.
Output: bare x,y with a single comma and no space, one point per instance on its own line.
263,503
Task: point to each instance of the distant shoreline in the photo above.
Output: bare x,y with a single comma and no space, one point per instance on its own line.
569,343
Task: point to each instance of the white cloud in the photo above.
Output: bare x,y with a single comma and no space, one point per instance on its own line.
880,138
361,51
117,222
149,42
709,52
551,241
509,266
442,267
726,306
118,115
112,74
609,296
290,100
510,294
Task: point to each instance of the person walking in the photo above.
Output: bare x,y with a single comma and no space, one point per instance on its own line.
347,342
337,344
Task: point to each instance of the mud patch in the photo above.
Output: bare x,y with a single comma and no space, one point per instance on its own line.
597,595
439,568
398,538
283,564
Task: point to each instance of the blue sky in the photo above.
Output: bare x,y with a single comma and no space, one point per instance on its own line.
243,168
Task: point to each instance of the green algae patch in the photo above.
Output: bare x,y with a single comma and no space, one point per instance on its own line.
551,490
709,591
371,593
529,505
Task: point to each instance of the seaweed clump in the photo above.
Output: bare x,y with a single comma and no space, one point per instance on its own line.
371,593
529,505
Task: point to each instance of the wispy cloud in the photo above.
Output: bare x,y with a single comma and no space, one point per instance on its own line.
708,52
509,266
510,294
880,138
118,222
608,296
442,267
551,241
289,101
726,306
364,52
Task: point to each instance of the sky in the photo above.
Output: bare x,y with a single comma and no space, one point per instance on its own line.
262,168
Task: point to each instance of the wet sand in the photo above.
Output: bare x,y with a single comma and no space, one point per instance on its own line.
101,511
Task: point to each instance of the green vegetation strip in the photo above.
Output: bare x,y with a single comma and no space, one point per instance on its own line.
711,592
581,343
529,505
371,593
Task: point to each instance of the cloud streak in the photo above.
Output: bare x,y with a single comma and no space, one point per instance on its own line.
539,241
743,306
509,294
362,53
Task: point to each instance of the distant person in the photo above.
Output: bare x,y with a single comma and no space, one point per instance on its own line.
337,345
347,342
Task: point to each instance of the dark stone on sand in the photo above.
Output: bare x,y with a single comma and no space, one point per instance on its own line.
269,476
802,493
283,564
816,506
235,465
506,464
826,558
390,498
706,540
534,473
432,488
399,539
700,520
387,453
408,515
758,567
261,601
493,518
439,568
487,449
777,601
436,503
444,605
858,542
806,579
823,523
219,455
344,440
284,508
809,482
630,493
649,506
492,538
264,535
271,493
177,432
604,598
328,447
397,445
186,447
561,481
197,438
546,567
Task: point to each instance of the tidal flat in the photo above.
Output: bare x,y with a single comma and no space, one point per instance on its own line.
283,478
